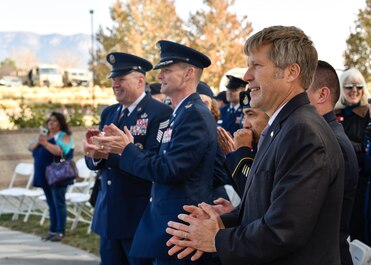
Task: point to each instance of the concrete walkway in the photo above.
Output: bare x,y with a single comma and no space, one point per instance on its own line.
17,248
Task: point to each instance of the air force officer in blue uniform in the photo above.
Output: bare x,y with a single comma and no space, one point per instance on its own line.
182,170
231,115
123,197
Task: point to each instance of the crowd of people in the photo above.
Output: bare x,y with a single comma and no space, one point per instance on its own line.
288,139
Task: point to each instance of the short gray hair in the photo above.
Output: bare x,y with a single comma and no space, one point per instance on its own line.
290,45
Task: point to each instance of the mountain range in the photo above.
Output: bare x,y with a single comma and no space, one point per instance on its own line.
26,48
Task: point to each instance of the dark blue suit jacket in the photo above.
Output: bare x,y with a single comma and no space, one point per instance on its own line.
182,173
350,184
123,197
231,121
290,211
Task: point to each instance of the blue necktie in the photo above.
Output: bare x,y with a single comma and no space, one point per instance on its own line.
123,116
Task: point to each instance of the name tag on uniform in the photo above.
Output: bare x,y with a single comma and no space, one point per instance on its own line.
167,136
140,128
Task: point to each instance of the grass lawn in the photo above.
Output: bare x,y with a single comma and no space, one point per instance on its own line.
77,238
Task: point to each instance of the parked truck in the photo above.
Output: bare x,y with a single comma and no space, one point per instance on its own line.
77,77
45,75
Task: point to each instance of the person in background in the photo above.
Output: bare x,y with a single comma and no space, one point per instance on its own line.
221,98
52,144
323,94
180,170
155,90
291,207
220,175
353,113
241,149
123,196
231,114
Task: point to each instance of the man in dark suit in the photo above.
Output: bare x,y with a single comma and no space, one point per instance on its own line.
291,207
323,94
123,196
182,169
231,114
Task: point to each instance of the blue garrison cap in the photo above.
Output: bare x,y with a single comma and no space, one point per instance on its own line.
123,63
204,89
171,52
155,88
222,96
234,82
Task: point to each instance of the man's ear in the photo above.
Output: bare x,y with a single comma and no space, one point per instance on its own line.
323,94
141,80
189,72
293,72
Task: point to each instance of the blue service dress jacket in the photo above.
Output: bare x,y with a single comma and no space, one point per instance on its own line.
123,197
231,119
182,173
290,211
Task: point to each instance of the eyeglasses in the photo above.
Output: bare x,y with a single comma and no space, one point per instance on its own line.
350,86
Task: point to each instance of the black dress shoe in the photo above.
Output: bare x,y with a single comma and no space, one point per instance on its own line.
56,237
48,236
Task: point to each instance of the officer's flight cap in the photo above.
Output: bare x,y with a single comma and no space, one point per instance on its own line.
171,52
123,63
155,88
235,82
204,89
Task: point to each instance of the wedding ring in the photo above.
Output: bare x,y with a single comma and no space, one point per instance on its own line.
185,235
101,147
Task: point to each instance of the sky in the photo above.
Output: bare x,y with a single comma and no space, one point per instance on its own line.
327,22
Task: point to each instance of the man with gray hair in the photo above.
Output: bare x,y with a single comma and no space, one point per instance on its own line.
291,206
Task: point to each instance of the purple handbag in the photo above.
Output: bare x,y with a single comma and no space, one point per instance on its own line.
62,171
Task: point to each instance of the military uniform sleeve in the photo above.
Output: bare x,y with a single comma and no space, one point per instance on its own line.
189,143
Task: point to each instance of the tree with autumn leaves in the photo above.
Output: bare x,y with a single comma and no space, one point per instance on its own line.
358,51
139,24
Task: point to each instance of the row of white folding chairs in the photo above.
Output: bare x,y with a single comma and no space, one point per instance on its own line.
26,200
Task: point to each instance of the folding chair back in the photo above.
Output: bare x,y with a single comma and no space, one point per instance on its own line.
24,169
360,252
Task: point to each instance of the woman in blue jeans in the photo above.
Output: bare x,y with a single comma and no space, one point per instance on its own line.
49,147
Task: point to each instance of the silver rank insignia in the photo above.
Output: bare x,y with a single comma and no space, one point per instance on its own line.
188,105
139,109
112,59
144,115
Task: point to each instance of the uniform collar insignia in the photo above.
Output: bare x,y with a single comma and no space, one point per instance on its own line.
144,115
139,109
188,105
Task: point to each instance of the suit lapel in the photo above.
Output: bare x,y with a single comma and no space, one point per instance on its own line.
274,130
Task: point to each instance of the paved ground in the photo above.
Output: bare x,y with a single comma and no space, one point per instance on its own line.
17,248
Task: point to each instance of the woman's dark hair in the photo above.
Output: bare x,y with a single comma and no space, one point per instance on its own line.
62,122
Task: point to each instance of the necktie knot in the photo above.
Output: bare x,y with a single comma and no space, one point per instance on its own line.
124,114
263,134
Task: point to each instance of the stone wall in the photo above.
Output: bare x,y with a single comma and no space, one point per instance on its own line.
14,149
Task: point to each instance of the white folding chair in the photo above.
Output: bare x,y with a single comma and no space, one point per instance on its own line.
13,195
360,252
35,206
85,174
